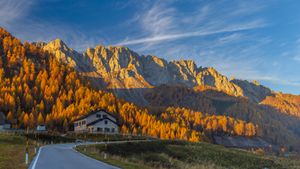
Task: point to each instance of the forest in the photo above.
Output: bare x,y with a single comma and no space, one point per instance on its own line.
35,89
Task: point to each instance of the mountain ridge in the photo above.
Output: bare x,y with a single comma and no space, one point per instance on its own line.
36,82
122,68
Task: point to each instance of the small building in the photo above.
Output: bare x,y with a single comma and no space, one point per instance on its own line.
99,121
4,124
41,128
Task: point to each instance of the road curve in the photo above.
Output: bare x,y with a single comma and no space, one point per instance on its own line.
63,156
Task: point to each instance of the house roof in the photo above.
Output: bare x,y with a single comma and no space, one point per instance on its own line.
96,121
94,112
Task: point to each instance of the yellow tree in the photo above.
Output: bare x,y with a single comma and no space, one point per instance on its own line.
40,119
26,120
10,117
194,137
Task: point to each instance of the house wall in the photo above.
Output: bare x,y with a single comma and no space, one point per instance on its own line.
80,125
89,119
101,125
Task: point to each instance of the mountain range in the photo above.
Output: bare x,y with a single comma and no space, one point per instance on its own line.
155,83
52,83
121,68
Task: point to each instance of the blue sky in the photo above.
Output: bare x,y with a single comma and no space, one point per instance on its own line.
253,40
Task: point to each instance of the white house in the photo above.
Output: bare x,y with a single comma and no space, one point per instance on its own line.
4,124
99,121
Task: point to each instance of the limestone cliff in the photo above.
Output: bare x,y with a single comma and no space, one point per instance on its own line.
122,69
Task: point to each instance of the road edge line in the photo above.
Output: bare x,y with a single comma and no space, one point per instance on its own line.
36,159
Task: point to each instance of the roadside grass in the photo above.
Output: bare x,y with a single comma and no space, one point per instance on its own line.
12,151
288,163
104,137
182,155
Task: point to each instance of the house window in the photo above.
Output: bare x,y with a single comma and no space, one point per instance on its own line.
112,130
83,122
104,116
99,129
98,115
105,122
106,129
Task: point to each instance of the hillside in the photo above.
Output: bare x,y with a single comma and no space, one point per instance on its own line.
36,87
183,155
52,83
157,84
275,126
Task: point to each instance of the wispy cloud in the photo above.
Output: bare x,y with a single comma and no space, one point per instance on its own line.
158,20
11,10
279,81
230,29
162,23
13,16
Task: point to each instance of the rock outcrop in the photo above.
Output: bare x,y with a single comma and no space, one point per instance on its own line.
253,90
65,54
121,69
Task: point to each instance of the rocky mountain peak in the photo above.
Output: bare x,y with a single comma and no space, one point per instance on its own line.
63,53
121,67
57,44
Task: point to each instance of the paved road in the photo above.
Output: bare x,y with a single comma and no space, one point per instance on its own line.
63,156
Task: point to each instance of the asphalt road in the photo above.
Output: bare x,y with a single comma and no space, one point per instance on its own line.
63,156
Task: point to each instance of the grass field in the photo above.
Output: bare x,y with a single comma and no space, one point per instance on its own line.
183,155
12,151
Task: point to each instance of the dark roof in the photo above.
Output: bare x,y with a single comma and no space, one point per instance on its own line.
96,121
94,112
